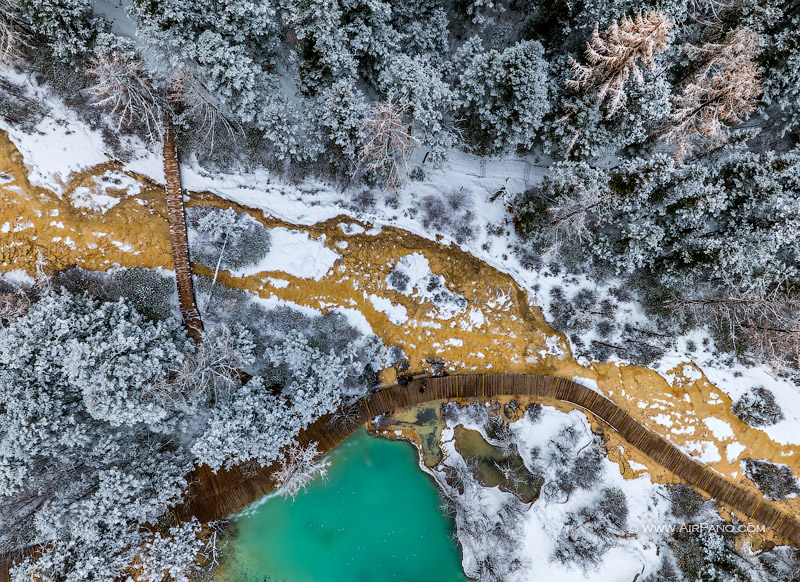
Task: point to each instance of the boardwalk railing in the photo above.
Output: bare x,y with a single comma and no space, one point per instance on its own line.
216,495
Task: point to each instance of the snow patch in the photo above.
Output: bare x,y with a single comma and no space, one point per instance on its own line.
397,314
294,253
719,428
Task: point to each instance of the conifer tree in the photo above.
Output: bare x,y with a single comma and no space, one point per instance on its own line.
723,90
614,56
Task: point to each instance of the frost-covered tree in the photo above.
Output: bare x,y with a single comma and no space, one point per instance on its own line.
10,32
614,56
298,468
415,81
736,218
781,78
321,41
224,238
66,28
388,142
571,200
124,87
758,407
723,91
505,96
256,422
775,481
174,556
79,472
339,113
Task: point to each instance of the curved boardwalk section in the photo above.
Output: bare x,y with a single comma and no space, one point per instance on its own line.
214,496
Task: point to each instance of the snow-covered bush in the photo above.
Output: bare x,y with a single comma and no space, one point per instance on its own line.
593,530
686,502
234,239
572,472
775,481
451,213
758,407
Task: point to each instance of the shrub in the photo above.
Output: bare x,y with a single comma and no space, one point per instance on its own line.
590,532
758,407
686,502
236,236
450,214
775,481
148,290
399,280
533,412
708,556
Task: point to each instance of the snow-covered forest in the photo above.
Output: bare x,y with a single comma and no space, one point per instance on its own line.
105,410
667,131
660,199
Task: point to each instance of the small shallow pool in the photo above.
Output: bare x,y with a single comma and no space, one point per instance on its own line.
376,518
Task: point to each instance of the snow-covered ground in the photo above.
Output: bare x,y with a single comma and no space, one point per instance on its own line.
545,522
294,253
61,144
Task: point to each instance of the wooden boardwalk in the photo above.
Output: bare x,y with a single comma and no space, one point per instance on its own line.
216,495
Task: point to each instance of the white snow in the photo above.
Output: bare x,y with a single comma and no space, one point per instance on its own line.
416,268
703,451
277,283
397,314
61,143
719,428
733,450
294,253
83,197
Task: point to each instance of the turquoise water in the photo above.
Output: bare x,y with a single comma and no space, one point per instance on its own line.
375,518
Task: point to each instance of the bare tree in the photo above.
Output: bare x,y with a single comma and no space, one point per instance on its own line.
389,144
10,33
13,305
211,371
125,89
298,469
189,94
723,90
765,316
614,56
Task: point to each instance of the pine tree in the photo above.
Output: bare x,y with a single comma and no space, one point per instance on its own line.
505,95
614,56
723,90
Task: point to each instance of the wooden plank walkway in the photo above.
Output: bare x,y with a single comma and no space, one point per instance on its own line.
212,496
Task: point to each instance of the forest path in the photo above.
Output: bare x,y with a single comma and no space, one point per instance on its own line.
213,496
